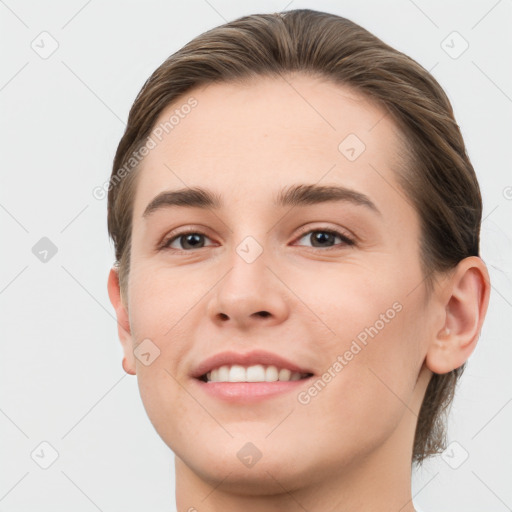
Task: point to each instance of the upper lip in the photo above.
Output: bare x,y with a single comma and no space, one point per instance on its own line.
245,359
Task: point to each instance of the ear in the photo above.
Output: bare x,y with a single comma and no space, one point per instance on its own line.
466,297
123,322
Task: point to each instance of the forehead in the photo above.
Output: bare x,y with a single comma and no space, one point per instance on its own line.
253,139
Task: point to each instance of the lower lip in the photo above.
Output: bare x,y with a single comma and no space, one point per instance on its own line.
249,391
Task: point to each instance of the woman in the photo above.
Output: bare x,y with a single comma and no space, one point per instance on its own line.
297,281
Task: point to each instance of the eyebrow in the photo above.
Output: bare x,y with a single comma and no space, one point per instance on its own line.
295,196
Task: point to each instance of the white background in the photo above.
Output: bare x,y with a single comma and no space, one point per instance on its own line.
62,118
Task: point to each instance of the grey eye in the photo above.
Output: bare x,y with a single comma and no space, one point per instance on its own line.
186,241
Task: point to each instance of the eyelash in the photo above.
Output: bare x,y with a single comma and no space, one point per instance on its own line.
345,239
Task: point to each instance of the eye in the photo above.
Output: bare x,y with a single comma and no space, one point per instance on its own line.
186,240
320,238
325,237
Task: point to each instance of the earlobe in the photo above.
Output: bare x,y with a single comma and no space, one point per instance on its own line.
123,322
127,368
467,298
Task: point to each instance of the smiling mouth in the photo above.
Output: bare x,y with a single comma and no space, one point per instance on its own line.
253,374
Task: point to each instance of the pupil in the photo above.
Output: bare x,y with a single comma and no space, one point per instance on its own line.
322,236
192,237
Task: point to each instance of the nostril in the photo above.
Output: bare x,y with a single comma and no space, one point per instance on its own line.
264,313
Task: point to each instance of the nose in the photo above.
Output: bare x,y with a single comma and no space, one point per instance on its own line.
249,294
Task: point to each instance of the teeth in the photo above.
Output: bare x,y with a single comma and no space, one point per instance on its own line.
284,374
271,374
237,374
223,374
255,373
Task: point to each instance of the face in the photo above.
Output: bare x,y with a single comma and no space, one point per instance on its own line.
326,283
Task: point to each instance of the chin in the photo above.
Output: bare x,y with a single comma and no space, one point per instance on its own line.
263,467
266,477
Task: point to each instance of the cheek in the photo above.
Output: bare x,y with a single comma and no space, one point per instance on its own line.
361,398
161,298
158,320
372,361
352,302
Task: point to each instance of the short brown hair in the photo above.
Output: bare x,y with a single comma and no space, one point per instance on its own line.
437,175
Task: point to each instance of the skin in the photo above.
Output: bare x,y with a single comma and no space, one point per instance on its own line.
350,447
